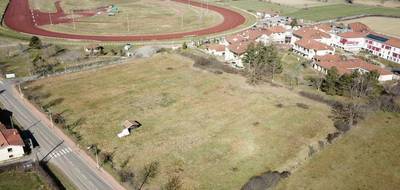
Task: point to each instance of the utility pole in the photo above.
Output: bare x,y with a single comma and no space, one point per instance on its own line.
127,20
73,19
12,123
97,158
181,20
20,91
51,22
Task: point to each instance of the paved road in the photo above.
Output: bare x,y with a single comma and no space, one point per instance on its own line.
75,164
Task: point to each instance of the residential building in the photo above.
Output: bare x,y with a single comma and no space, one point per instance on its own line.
216,49
235,52
383,46
315,33
353,65
11,144
350,41
310,48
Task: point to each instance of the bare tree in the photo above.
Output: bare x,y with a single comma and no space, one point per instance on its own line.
149,172
174,183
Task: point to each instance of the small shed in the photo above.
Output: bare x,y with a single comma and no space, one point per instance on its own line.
128,127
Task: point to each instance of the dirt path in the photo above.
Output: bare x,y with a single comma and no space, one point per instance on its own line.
19,17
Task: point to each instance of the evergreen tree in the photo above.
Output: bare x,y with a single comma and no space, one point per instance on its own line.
329,84
35,43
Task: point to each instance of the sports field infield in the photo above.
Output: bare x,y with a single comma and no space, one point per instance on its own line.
213,130
139,17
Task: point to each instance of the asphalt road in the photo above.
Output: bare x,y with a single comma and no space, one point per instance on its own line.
61,151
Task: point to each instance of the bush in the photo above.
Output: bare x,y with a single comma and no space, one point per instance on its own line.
342,126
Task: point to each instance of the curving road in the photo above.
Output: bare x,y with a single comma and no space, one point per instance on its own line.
19,17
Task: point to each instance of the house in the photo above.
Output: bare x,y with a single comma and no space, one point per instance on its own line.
94,49
216,49
309,48
278,34
358,27
235,52
11,144
328,57
353,65
314,33
383,46
350,41
128,127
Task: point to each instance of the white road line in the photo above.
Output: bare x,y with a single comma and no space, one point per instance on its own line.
63,151
69,148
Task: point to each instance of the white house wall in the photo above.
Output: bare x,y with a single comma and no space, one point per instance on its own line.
16,151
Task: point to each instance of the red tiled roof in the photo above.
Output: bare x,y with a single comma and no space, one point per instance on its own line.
324,27
250,34
348,66
276,29
239,48
312,44
395,42
328,58
359,27
353,34
9,137
235,38
216,47
312,33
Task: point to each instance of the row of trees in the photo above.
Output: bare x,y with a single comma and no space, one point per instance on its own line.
354,85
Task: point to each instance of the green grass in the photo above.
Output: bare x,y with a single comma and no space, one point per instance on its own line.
256,5
215,131
145,17
341,10
15,180
367,157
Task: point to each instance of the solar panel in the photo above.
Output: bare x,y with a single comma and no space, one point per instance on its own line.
377,38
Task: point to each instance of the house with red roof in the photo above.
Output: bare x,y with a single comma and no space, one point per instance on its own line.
311,32
350,41
11,144
216,49
235,52
353,65
309,48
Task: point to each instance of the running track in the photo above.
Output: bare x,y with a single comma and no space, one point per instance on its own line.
19,17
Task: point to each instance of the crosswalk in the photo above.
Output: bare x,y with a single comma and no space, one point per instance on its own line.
61,152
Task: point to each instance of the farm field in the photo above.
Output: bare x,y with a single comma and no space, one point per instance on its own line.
367,157
314,10
388,26
139,17
213,130
15,180
341,10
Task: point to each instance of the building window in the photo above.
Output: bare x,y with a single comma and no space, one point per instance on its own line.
9,149
10,156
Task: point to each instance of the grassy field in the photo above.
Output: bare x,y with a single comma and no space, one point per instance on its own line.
388,26
367,157
213,130
139,17
341,10
13,180
313,10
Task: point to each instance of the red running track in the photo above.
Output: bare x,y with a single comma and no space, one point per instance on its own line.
19,17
